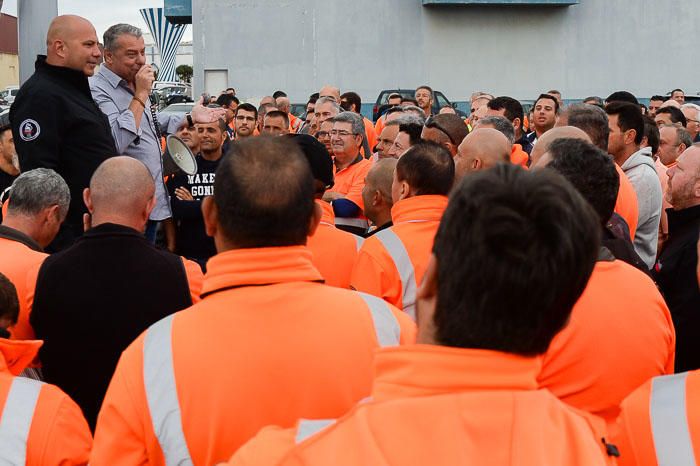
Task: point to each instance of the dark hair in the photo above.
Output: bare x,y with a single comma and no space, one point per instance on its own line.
405,99
395,109
313,98
629,116
353,98
675,114
279,114
427,88
677,90
659,97
277,94
622,96
248,108
592,120
225,100
651,132
428,168
594,98
250,213
550,97
505,292
590,170
413,130
513,108
9,303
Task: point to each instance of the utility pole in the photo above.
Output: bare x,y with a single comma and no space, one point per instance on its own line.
33,17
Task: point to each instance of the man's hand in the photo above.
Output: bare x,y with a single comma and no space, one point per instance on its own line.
202,114
183,194
330,196
144,82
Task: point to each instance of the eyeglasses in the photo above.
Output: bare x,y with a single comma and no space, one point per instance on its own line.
342,134
694,121
431,123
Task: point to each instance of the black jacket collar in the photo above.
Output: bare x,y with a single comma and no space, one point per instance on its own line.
70,76
680,219
112,229
16,235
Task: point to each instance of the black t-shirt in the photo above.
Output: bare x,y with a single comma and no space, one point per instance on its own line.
191,240
6,181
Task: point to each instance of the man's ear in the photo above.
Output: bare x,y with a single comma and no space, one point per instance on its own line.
315,219
150,206
405,190
426,300
476,164
629,136
87,199
211,216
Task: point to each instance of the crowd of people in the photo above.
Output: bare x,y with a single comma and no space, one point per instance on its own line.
505,289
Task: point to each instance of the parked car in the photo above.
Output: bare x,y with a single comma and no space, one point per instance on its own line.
9,93
178,109
381,103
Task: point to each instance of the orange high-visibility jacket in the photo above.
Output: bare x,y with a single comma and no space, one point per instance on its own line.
391,263
370,134
21,259
438,406
620,335
627,206
333,251
350,180
518,156
267,344
39,424
660,422
379,125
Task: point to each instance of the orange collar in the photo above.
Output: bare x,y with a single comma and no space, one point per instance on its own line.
427,370
16,355
419,208
259,266
327,214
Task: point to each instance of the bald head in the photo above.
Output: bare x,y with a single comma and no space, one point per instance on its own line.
553,134
71,42
376,194
330,91
283,104
482,149
121,191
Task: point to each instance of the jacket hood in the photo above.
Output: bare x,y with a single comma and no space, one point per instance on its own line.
641,157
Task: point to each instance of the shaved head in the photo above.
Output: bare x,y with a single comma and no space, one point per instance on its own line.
268,99
553,134
121,190
283,104
379,180
330,91
71,42
381,175
482,149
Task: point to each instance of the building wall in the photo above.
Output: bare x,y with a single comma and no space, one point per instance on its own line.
9,70
366,45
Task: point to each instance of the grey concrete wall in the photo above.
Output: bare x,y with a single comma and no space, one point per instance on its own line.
367,45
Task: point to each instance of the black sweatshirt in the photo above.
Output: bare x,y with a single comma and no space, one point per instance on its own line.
191,239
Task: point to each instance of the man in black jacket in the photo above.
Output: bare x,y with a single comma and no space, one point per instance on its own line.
675,269
94,298
187,192
56,123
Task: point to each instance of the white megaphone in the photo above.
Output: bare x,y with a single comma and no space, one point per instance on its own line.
178,158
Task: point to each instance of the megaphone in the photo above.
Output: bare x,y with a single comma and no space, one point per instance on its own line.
178,158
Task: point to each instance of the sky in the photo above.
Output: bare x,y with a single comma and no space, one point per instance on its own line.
103,13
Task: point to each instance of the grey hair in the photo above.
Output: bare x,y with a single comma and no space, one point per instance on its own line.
414,108
328,100
35,190
683,136
358,126
112,34
693,106
501,124
408,120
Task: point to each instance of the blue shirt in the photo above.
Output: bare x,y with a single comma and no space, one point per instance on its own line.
113,95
